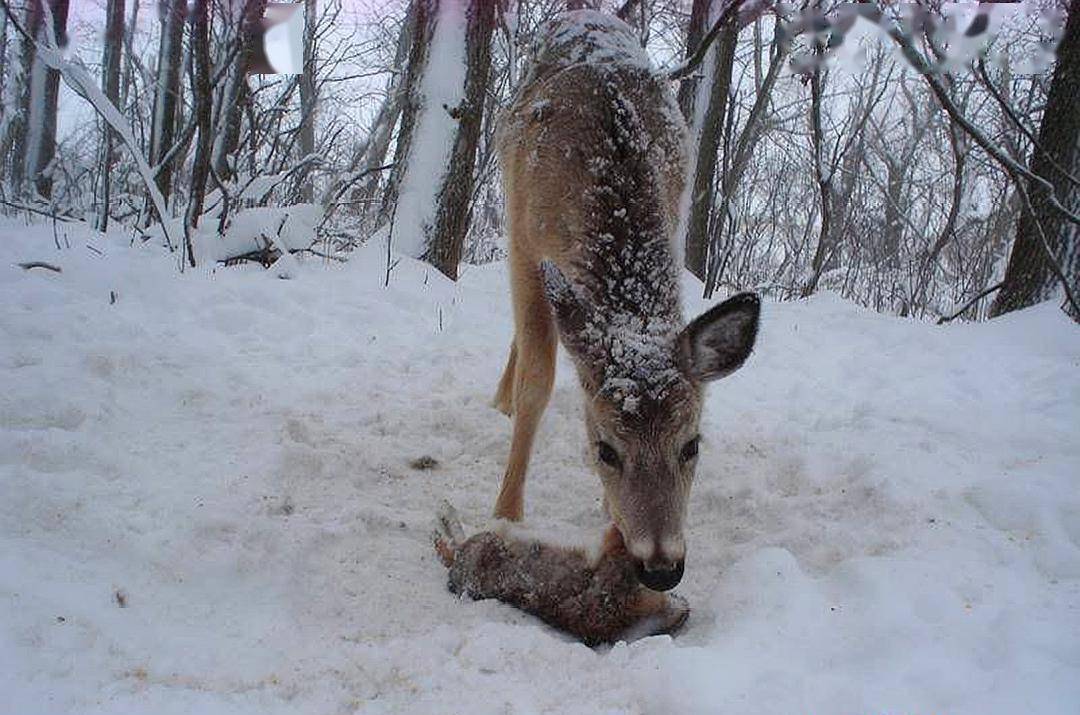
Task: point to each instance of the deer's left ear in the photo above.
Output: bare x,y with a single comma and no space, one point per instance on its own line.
719,340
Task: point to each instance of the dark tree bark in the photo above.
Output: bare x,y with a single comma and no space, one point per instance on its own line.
203,96
110,85
3,65
167,91
823,177
447,236
699,13
701,198
1030,276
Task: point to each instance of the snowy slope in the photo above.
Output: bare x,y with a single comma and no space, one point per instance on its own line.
886,517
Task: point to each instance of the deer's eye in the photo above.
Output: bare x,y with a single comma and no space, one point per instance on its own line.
689,450
607,454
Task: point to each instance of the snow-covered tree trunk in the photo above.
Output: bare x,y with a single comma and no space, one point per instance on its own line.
167,92
34,145
423,15
17,131
308,100
11,80
202,94
110,85
445,238
1030,277
707,130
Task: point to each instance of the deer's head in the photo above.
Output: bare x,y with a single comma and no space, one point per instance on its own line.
644,377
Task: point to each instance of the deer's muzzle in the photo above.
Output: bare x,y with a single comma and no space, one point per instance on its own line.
660,575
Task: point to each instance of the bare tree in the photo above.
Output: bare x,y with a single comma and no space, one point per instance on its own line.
110,85
708,133
243,28
35,133
167,92
203,96
308,99
447,235
1043,235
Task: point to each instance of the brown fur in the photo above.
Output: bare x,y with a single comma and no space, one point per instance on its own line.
597,603
593,158
552,138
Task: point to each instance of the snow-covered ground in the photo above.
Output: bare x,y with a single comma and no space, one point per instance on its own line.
206,503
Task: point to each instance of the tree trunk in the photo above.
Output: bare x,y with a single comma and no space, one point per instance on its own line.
709,135
129,66
110,85
1030,277
744,148
824,182
167,92
35,137
699,13
244,26
203,97
3,67
423,27
373,151
308,100
19,124
447,235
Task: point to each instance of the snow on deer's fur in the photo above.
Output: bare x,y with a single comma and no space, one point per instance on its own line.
594,158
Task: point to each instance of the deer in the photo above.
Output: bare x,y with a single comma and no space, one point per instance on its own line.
593,152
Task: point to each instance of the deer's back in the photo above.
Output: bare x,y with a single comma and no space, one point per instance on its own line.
594,142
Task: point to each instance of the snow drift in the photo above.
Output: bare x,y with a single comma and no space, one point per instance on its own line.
206,503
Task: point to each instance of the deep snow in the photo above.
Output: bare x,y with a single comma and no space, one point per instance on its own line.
886,516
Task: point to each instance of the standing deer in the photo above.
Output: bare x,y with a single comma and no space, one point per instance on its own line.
593,157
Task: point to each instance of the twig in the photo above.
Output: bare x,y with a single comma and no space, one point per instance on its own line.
982,294
40,264
41,212
739,12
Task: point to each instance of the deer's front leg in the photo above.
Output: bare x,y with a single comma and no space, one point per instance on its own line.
534,376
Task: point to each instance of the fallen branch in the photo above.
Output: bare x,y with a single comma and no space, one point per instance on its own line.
982,294
40,264
41,212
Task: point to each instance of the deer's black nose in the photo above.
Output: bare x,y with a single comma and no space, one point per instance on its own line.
660,575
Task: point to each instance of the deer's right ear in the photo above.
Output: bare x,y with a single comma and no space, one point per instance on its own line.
570,310
717,342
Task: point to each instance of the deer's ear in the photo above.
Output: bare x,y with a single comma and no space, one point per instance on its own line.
719,340
570,309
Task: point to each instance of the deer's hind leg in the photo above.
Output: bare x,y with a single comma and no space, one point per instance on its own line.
533,361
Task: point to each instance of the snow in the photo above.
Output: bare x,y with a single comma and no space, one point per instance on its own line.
592,37
885,517
441,89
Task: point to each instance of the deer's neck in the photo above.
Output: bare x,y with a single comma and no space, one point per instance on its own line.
628,272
